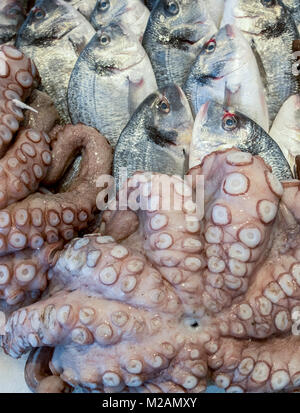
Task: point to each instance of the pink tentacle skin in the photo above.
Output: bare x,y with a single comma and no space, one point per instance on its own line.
18,77
175,303
26,271
51,217
24,166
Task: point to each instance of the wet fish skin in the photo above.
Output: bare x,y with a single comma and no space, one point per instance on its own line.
218,128
270,30
131,14
294,8
12,15
226,71
286,130
53,35
173,38
158,135
109,81
216,10
85,7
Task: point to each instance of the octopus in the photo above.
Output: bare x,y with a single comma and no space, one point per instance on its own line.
204,290
39,215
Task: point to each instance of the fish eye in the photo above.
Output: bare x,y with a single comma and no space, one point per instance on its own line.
39,14
172,7
211,46
104,39
268,3
103,5
164,106
230,122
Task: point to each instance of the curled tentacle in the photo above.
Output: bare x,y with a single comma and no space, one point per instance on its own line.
18,76
38,375
51,217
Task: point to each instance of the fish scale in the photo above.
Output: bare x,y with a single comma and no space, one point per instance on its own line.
54,43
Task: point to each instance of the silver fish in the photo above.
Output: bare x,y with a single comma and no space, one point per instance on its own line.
53,35
176,31
294,8
131,14
112,76
158,135
270,30
226,71
12,15
85,7
218,128
286,129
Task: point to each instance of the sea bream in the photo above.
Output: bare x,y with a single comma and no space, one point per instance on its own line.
158,135
112,76
286,130
176,32
12,15
218,128
270,30
226,71
131,14
53,35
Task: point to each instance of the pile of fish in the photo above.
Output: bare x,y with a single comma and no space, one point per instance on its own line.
167,82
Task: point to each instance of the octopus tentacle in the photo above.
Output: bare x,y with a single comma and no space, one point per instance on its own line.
26,271
237,221
24,166
18,76
51,217
258,367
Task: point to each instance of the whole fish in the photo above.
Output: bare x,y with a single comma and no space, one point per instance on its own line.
294,7
12,15
131,14
53,35
216,10
270,30
175,33
218,128
286,130
85,7
158,135
112,76
226,71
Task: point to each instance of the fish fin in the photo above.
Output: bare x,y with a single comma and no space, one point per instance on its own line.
261,68
231,94
134,94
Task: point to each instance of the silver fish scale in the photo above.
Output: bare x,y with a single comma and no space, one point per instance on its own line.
95,102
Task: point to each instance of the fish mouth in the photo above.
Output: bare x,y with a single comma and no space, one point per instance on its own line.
120,70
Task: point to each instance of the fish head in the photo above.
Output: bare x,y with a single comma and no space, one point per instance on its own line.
48,20
107,11
83,6
114,48
12,15
256,17
218,128
226,52
182,24
170,120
